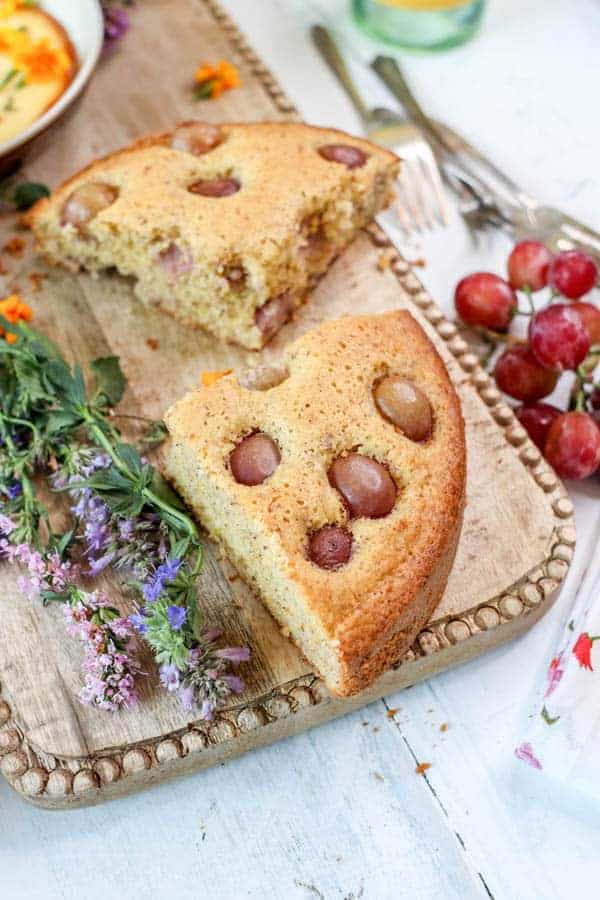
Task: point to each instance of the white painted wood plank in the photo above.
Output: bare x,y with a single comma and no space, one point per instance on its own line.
339,808
512,827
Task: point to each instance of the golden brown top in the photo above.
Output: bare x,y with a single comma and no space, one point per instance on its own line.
322,411
268,176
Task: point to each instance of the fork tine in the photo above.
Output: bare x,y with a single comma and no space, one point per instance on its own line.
434,180
409,181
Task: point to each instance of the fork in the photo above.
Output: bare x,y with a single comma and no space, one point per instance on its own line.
422,202
495,198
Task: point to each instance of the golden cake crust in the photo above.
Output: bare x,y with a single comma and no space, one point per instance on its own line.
264,227
370,609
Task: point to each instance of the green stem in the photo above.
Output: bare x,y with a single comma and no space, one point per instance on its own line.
147,493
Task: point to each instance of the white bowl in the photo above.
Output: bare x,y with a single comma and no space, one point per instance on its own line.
83,22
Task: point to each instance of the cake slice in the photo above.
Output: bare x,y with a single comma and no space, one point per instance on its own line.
226,227
335,485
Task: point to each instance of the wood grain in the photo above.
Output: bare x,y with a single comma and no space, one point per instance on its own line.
517,538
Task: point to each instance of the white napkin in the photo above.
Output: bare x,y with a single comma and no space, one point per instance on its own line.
563,739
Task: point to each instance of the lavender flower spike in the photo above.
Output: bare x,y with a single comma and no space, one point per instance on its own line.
176,616
116,23
234,654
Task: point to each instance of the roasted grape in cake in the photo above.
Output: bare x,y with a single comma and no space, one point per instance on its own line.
225,227
335,484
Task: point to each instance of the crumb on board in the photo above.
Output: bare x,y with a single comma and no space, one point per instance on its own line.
422,768
383,260
152,343
233,578
444,726
392,712
375,729
420,262
36,279
15,246
378,776
366,722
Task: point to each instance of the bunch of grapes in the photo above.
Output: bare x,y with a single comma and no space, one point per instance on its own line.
563,336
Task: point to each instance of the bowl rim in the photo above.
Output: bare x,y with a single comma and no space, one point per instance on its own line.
81,78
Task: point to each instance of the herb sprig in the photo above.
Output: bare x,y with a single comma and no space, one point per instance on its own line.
54,427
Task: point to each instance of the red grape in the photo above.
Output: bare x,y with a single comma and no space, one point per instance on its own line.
485,299
559,340
528,266
573,274
591,319
519,375
536,419
573,445
594,401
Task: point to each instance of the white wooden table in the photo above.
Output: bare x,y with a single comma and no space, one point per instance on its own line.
339,812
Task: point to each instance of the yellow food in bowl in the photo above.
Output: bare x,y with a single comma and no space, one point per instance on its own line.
37,64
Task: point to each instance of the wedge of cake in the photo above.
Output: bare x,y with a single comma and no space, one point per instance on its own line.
226,227
335,485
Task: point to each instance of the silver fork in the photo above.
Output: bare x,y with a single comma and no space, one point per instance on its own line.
488,196
421,198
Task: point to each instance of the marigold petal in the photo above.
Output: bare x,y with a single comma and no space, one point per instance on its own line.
208,378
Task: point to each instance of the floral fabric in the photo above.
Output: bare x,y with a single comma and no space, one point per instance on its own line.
563,741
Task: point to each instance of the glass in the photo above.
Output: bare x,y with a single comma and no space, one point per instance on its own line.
419,24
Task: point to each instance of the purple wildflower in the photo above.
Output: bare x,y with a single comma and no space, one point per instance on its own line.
206,680
6,525
170,677
109,666
13,490
176,616
138,620
116,23
234,654
164,574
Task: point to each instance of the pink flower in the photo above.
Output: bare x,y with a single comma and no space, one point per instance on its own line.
555,673
582,650
525,752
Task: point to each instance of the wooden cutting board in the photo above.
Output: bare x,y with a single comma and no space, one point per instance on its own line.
518,534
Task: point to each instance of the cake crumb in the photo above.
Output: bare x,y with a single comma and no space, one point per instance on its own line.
15,246
444,726
383,260
375,729
366,722
232,578
378,776
422,768
420,262
392,712
36,279
152,343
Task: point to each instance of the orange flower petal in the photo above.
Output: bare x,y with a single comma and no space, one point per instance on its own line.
208,378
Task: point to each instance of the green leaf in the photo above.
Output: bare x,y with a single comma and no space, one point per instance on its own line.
548,719
154,435
164,491
29,192
111,381
129,457
62,420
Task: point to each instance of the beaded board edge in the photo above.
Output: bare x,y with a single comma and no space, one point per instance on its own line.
54,783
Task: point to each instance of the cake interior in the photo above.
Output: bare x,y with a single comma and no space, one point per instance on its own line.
260,560
222,296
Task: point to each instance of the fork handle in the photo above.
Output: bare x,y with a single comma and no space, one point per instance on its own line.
326,46
449,142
